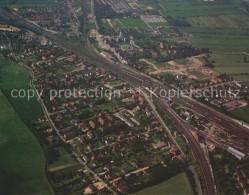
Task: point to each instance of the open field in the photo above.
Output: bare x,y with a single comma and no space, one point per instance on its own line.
220,21
132,22
116,23
230,64
235,65
182,9
22,165
27,3
231,44
218,25
241,113
15,76
65,159
178,184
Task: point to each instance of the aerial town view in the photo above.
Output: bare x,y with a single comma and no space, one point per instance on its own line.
115,97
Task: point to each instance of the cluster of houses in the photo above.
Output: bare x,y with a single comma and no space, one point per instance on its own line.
99,130
57,19
10,28
242,180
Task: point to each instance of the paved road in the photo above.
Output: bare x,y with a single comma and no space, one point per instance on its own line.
94,174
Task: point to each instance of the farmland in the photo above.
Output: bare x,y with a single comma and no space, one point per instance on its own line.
219,26
132,22
178,184
15,76
220,21
241,113
236,65
27,3
22,165
18,146
183,9
230,64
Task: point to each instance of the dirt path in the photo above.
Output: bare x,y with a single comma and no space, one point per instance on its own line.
230,53
128,174
192,64
180,69
62,167
152,64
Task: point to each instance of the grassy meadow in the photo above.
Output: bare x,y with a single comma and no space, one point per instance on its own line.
15,76
241,113
27,3
22,165
132,22
178,184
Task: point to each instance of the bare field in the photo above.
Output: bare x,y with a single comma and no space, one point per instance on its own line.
240,21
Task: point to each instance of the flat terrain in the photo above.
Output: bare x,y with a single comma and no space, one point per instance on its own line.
241,113
235,65
65,160
178,184
230,64
218,25
27,3
132,22
183,9
15,76
22,165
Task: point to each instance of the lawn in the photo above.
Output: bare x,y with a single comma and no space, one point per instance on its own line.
65,159
132,22
22,165
241,113
15,76
178,184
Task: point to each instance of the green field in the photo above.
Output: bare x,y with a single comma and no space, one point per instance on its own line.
65,159
220,21
27,3
230,44
241,113
15,76
116,23
132,22
22,159
22,165
230,64
183,9
218,25
236,66
178,184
